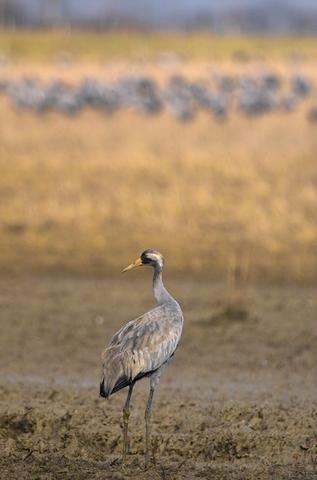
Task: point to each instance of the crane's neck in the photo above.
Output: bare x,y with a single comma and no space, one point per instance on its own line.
160,293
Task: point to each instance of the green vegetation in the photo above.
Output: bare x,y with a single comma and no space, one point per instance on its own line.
43,45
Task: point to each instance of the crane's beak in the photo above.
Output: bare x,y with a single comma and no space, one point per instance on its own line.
137,263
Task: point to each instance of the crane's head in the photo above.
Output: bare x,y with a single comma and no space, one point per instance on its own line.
148,257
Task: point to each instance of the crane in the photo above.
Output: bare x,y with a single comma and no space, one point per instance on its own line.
142,348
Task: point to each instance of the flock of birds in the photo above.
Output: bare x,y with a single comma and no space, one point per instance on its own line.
218,96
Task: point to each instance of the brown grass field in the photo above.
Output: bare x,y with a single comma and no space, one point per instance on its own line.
82,194
232,205
79,195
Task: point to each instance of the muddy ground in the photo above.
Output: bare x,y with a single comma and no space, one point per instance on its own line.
238,401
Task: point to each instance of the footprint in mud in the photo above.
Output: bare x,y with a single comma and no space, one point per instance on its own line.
16,424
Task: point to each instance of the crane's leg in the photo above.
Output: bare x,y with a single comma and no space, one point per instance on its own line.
126,415
154,380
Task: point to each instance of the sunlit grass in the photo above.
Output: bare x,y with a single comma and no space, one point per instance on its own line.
86,194
83,194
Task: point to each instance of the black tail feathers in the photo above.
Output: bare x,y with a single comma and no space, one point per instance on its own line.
102,390
107,390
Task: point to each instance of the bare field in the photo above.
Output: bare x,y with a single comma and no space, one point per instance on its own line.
238,401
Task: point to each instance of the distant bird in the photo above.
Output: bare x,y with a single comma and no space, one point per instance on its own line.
143,347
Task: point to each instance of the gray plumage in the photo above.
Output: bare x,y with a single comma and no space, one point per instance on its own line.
142,347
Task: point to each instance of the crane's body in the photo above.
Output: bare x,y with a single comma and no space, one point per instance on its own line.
142,347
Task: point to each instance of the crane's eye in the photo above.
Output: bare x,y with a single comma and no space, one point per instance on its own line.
145,259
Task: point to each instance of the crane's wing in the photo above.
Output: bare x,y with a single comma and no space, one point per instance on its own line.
140,347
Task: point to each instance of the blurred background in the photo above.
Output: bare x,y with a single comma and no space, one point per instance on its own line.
257,16
189,127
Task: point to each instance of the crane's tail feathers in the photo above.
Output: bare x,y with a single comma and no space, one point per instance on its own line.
103,392
106,385
107,389
117,372
114,377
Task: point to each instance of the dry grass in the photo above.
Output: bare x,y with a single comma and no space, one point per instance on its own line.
87,194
